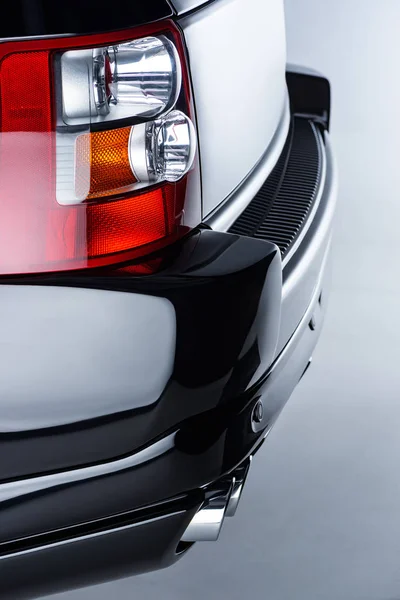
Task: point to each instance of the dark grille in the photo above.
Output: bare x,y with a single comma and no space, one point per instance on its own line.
280,209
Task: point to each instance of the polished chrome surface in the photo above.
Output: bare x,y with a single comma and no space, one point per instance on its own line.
239,480
101,88
222,500
145,78
237,62
226,214
19,488
207,523
78,103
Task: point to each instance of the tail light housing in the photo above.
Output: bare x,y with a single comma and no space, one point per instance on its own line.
97,148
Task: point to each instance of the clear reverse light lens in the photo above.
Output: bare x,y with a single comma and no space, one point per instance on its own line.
145,74
163,150
141,78
174,146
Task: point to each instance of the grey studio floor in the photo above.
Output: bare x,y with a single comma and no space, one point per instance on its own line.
320,518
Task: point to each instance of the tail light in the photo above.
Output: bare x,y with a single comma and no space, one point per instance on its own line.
96,146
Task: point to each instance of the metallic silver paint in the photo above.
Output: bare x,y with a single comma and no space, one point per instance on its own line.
299,284
226,213
237,61
224,216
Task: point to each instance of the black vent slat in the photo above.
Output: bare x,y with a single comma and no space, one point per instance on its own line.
280,209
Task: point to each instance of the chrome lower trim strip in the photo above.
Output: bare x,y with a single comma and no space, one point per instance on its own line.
23,487
226,213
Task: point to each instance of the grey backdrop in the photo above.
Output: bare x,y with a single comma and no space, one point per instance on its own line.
320,518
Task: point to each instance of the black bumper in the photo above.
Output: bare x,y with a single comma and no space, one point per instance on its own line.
226,294
97,553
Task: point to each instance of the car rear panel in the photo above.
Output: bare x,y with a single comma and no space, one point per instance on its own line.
237,54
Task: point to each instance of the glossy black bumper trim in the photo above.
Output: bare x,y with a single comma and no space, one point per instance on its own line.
226,294
123,548
206,448
102,526
32,485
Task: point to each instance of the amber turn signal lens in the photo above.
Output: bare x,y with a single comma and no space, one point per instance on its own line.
103,157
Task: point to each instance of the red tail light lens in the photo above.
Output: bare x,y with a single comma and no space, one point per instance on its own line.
96,174
26,92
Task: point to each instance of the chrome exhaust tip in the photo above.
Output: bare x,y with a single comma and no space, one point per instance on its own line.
222,500
240,477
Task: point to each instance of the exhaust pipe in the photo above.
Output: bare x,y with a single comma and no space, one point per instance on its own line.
222,500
